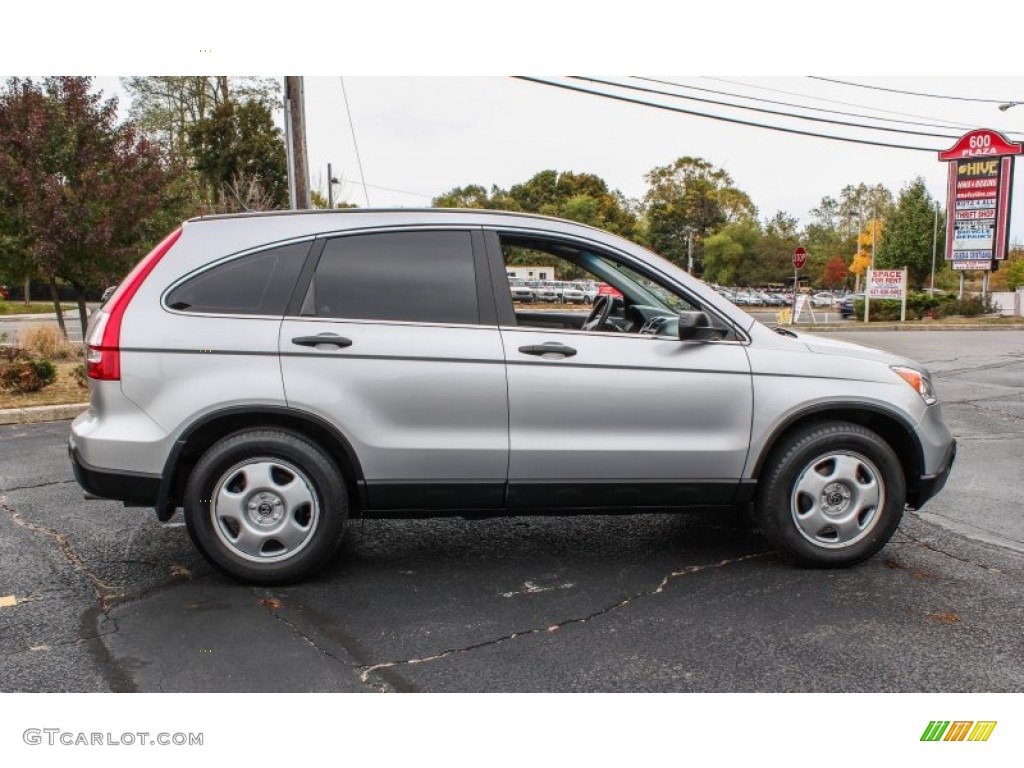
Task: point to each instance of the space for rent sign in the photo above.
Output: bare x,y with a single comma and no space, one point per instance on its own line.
887,283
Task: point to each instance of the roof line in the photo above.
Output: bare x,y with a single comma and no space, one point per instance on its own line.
356,211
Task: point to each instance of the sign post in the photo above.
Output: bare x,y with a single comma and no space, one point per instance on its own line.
799,260
978,199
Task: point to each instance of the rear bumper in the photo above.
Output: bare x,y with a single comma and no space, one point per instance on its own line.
134,489
929,485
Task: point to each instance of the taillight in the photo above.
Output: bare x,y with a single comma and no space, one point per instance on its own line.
103,346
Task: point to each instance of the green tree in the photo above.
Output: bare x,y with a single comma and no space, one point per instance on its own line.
164,108
859,203
476,196
240,154
774,263
907,239
730,254
690,196
581,197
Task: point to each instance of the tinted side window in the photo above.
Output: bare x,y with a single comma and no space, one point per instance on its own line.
425,277
257,284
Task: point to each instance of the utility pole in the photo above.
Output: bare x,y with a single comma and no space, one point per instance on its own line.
330,188
689,250
295,125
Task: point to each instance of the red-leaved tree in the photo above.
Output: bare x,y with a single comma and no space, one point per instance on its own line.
835,272
78,191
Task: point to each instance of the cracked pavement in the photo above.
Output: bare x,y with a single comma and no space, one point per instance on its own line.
109,599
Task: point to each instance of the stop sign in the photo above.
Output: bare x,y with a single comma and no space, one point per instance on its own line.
799,257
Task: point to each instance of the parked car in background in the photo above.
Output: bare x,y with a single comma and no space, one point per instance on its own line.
823,299
549,291
520,290
846,308
580,293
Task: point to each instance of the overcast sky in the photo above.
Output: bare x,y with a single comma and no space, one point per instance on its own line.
425,135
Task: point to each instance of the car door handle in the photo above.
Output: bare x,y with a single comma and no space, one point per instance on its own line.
547,349
324,338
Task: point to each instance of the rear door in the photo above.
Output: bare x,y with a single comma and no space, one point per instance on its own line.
396,343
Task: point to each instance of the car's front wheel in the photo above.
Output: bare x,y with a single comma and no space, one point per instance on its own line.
832,494
266,506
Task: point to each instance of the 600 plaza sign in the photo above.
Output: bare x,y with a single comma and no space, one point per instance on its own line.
980,178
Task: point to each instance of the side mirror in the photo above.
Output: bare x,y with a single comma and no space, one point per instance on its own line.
696,326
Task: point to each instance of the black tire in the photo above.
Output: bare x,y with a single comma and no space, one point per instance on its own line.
844,524
587,300
294,518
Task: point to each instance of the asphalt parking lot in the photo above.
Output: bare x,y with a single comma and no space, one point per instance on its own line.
109,599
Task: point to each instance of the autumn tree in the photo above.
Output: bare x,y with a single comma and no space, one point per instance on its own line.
835,273
690,196
868,238
858,203
79,193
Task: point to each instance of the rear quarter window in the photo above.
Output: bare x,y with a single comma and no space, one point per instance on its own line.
255,284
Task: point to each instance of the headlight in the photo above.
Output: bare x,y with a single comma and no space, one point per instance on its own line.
918,380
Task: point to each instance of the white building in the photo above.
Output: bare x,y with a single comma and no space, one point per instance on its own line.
542,272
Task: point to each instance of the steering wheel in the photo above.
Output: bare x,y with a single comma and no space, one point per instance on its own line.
599,314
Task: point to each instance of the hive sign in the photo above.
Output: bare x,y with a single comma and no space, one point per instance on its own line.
980,178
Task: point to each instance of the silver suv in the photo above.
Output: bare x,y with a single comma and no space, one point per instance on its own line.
278,374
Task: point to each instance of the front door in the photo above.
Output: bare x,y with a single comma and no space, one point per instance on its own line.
619,415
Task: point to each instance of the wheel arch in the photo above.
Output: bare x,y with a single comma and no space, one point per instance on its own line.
211,427
889,425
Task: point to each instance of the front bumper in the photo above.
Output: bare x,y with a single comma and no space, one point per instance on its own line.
929,485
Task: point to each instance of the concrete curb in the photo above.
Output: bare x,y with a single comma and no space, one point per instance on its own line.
41,413
898,327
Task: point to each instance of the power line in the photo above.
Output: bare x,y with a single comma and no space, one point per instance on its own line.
390,189
352,127
761,110
791,104
721,118
912,93
950,123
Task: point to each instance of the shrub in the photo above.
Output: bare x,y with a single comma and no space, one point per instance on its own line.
10,354
46,341
881,309
31,375
972,306
78,373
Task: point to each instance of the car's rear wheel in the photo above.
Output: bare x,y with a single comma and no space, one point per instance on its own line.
266,506
832,494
